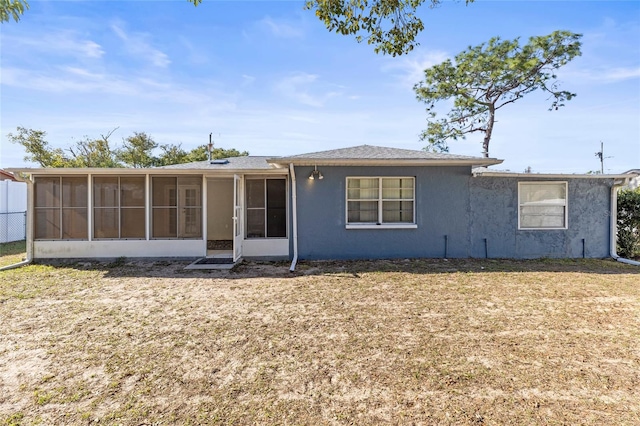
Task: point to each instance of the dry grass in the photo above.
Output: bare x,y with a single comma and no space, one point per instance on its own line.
413,342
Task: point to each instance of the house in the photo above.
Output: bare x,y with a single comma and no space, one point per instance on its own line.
351,203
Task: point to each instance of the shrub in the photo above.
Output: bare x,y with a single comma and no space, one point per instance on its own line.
629,222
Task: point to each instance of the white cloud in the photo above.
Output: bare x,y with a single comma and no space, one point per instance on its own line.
247,80
280,28
601,75
298,87
619,74
137,45
410,70
75,80
64,42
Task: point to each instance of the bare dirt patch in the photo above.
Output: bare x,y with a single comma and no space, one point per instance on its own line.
401,342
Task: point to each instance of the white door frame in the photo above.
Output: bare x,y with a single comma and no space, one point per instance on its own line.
238,216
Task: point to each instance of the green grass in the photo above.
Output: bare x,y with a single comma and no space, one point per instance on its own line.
371,342
12,252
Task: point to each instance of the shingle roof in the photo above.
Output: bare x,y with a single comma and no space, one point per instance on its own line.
382,154
234,163
371,152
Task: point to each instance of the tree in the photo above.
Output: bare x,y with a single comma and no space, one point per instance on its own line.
390,25
487,77
174,154
12,9
137,151
94,153
629,222
38,149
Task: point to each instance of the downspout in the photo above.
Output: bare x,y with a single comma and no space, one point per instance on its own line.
294,202
29,226
613,231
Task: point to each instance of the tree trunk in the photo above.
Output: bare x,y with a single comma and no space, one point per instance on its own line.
487,133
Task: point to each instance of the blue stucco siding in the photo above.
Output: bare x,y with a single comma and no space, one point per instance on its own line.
494,217
478,216
442,208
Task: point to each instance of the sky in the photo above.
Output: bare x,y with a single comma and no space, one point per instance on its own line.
267,77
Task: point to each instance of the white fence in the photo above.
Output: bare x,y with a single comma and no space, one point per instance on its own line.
13,208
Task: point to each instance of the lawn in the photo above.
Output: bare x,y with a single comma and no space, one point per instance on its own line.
402,342
12,252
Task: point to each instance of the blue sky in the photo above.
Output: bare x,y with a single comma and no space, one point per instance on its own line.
267,77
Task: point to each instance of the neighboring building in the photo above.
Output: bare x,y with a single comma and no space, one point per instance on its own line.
13,208
6,176
634,182
363,202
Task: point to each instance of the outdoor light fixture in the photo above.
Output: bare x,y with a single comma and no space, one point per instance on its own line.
315,174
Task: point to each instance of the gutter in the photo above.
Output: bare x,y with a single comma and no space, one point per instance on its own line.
29,236
614,217
294,198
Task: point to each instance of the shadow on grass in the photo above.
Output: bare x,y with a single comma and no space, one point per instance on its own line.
123,267
12,248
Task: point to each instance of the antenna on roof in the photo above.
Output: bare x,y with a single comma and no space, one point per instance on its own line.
210,146
600,155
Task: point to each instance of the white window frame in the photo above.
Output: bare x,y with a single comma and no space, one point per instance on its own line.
379,224
565,205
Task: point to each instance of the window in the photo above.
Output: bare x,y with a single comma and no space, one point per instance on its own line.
381,201
266,201
542,205
60,208
118,207
176,207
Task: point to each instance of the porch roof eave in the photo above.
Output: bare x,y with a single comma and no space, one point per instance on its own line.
144,171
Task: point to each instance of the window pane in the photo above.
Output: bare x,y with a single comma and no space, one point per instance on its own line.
105,223
255,223
47,224
363,211
276,208
397,188
397,211
363,189
190,223
277,223
74,192
552,193
164,191
542,216
132,191
105,192
47,191
190,191
255,193
133,223
164,223
276,193
74,223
